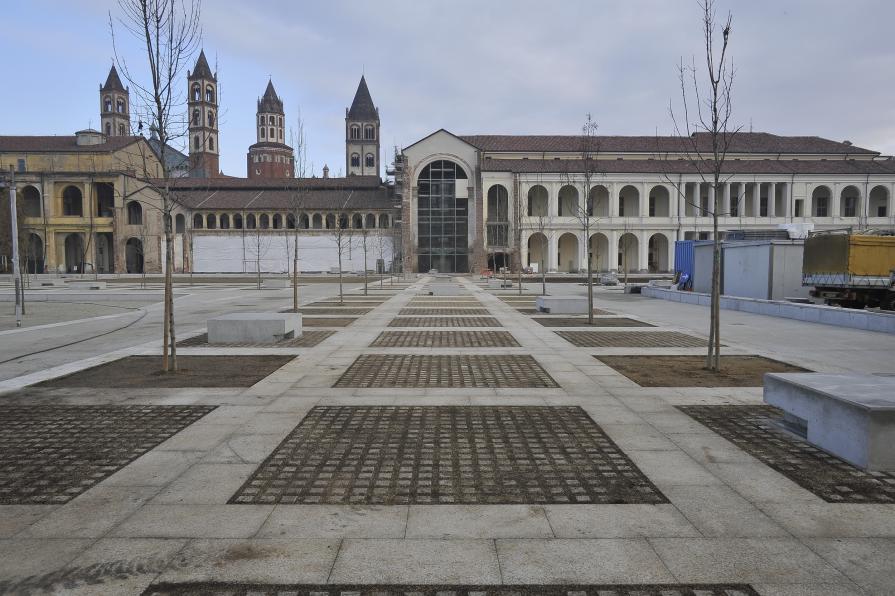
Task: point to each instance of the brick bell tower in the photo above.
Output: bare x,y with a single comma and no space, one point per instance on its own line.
202,107
362,134
270,156
114,99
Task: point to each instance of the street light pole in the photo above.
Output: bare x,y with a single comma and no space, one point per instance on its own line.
13,218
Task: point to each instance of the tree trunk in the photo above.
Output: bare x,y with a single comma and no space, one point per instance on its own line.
169,282
295,271
167,292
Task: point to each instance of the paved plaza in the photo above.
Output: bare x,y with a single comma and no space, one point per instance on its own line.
410,444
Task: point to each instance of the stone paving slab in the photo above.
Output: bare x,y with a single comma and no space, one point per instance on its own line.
442,311
445,339
756,430
582,322
308,339
444,322
382,455
222,589
448,371
631,339
51,454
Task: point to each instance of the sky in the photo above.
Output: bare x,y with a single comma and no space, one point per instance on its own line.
802,67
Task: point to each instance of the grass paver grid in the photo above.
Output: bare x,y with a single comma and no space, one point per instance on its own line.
755,430
690,371
335,310
51,454
327,321
308,339
445,339
450,371
444,322
390,455
221,589
582,322
442,311
631,339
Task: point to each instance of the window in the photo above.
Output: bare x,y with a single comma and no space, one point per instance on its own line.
134,214
107,104
71,201
798,209
31,201
105,199
179,224
277,221
652,206
261,120
442,224
225,222
821,209
369,133
121,130
250,221
210,119
197,222
210,221
281,121
355,131
850,206
369,160
119,105
263,132
881,211
355,160
211,143
263,221
195,117
272,134
290,221
271,120
196,143
196,93
383,220
621,206
209,94
108,129
237,221
20,165
763,207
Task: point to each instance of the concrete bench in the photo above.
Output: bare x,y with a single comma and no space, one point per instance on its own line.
276,283
87,285
446,290
55,283
253,327
849,415
563,305
500,283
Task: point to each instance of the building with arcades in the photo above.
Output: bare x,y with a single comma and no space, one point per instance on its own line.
467,199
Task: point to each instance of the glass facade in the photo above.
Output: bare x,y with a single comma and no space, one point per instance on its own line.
442,219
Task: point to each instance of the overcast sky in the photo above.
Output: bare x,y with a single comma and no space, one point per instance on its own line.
803,67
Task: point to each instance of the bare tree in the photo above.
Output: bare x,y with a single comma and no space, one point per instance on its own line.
170,33
583,211
343,240
703,125
297,192
364,234
259,242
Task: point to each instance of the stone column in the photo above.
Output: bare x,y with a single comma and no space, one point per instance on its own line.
613,200
725,200
643,253
523,249
582,251
711,204
552,201
552,251
772,199
756,199
643,208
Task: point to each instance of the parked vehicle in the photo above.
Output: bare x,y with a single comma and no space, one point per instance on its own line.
848,269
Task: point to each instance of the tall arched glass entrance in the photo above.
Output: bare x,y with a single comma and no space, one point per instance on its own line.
442,218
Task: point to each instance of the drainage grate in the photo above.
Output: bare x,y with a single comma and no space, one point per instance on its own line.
755,430
51,454
220,589
631,339
449,371
445,322
445,339
385,455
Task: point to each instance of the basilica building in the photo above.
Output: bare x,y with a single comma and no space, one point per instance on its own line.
477,201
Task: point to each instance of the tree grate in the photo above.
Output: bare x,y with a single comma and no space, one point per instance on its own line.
419,371
582,322
631,339
51,454
444,322
442,311
445,339
388,455
757,431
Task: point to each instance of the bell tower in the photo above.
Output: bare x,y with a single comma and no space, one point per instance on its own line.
202,107
362,134
114,100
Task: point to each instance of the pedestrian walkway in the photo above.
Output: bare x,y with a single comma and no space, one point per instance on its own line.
436,445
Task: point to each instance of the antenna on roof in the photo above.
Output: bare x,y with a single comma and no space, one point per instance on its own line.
750,124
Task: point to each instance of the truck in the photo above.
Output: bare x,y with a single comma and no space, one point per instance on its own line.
853,270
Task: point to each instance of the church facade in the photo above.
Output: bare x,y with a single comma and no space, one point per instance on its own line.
479,201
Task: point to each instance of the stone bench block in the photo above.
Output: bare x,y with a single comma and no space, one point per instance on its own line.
562,305
446,290
500,283
253,327
849,415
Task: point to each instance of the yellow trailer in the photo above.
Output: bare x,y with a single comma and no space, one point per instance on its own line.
855,270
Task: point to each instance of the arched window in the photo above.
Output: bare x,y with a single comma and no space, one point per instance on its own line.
330,221
272,134
210,119
179,224
237,221
263,132
370,160
197,144
72,203
343,221
108,129
368,132
318,221
261,120
31,201
134,214
303,223
225,221
119,105
196,93
121,130
498,201
197,222
355,131
370,221
281,121
443,210
290,221
211,143
210,221
250,221
277,221
196,117
263,221
107,104
209,94
383,220
357,221
355,160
